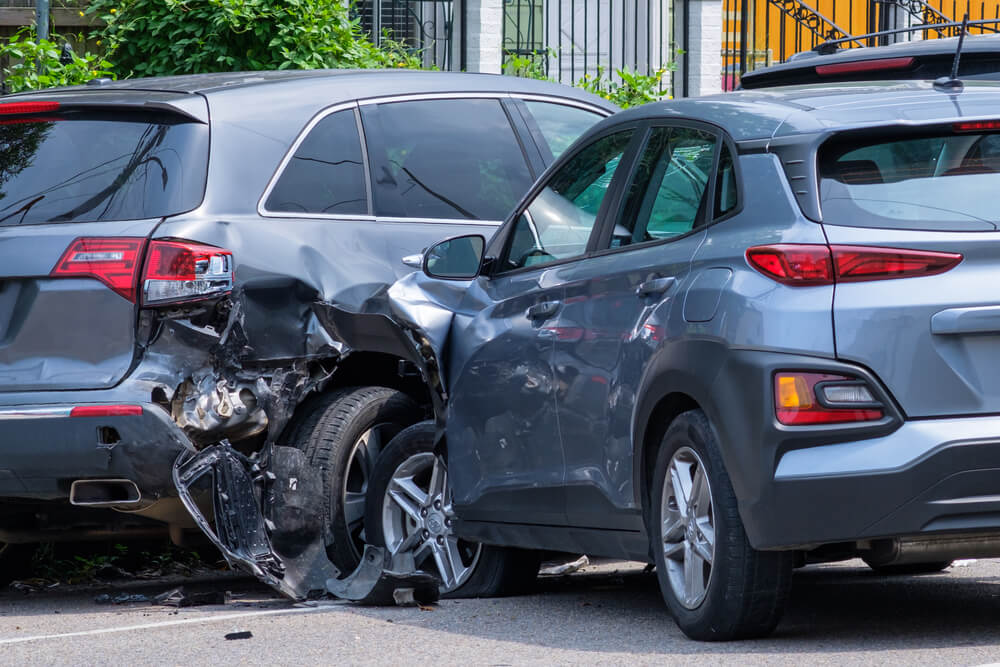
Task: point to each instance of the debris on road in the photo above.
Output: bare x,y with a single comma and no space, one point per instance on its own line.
246,634
565,568
121,598
178,597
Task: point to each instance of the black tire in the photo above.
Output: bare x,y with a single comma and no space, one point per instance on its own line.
328,432
498,571
746,590
909,568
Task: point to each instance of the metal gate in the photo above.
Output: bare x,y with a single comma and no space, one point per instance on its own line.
575,38
424,27
757,33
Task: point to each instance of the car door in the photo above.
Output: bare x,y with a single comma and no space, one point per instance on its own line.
504,453
615,306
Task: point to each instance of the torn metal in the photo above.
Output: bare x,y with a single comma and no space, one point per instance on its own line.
265,509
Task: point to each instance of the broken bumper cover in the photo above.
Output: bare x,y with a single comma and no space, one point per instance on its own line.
45,447
265,520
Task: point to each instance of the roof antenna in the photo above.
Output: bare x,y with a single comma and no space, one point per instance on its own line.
951,83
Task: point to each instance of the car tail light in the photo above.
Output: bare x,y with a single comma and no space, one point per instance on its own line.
113,261
976,126
793,264
804,264
880,65
106,411
821,398
10,108
179,271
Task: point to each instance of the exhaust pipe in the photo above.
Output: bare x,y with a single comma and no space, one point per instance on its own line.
914,550
104,492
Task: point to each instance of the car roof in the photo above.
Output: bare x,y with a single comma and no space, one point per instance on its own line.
975,45
321,87
785,111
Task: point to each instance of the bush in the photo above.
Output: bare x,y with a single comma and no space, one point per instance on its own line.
159,37
630,90
45,63
626,88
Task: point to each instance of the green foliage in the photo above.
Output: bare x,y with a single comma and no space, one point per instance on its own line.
38,64
630,89
530,66
626,88
160,37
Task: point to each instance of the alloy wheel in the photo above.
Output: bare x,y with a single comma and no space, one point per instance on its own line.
688,527
360,464
417,518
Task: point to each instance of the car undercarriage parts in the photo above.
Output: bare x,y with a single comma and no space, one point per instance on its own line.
379,582
912,550
211,408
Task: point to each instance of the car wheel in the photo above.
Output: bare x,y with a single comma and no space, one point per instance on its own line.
342,434
715,584
410,513
908,568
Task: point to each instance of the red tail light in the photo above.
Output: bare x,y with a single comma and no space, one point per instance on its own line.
976,126
802,399
175,271
880,65
183,271
793,264
10,108
113,261
106,411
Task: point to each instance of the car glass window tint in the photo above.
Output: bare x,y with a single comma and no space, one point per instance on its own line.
448,159
560,124
725,184
326,175
558,222
93,166
668,193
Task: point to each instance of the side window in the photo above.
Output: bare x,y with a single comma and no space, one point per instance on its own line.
668,194
559,124
725,184
327,172
446,159
557,224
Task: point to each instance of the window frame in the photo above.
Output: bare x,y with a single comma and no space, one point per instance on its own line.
505,237
723,138
265,212
502,97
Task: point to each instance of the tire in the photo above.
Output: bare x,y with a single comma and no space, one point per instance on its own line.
715,584
908,568
474,570
342,433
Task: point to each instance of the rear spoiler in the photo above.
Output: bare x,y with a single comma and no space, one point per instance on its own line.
191,106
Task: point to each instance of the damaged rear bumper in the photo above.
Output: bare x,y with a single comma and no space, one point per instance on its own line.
46,445
263,515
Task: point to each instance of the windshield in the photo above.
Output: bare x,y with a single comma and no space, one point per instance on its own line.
935,183
90,167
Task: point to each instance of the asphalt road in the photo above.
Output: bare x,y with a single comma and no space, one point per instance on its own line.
607,614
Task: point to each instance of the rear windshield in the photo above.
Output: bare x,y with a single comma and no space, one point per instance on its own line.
945,182
90,167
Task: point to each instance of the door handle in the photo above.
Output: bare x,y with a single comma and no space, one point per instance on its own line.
655,286
543,310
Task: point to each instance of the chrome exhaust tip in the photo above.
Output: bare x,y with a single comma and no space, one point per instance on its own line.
104,492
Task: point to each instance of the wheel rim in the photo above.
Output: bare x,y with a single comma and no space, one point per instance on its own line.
360,464
688,527
417,516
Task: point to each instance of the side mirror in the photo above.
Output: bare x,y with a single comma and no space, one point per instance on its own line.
458,258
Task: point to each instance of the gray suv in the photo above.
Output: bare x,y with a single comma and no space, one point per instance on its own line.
729,336
163,243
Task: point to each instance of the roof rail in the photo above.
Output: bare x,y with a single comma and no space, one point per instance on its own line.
830,46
